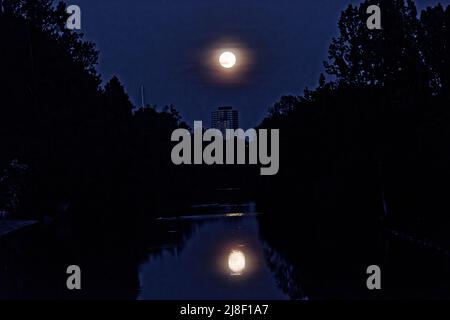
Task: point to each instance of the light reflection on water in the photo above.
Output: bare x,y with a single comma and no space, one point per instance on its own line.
236,262
223,259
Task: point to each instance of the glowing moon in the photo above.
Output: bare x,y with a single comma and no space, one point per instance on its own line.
227,60
236,262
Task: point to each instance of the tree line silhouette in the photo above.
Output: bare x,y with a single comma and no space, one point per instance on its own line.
83,145
370,156
371,141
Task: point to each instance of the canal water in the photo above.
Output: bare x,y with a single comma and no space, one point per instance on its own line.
223,252
222,257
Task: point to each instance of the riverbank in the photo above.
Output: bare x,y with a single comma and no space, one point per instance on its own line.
9,227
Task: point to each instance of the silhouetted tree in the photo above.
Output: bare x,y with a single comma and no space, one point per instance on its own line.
117,100
368,142
435,37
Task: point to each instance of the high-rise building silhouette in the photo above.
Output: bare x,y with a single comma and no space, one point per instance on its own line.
225,118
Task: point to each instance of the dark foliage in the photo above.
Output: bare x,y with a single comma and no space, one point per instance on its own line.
369,144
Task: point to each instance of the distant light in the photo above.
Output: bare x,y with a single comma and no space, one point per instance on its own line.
232,215
227,60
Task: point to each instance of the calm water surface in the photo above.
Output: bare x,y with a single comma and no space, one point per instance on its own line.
222,252
223,257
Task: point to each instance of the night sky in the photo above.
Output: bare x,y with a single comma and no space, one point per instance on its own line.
167,45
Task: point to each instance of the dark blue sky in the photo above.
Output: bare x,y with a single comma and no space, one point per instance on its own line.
167,46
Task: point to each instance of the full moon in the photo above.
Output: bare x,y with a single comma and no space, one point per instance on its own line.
227,60
236,262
